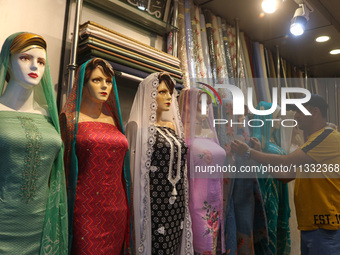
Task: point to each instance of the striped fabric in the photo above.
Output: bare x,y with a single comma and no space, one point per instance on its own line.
98,41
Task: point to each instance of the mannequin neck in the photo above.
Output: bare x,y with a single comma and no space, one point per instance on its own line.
91,108
159,121
19,98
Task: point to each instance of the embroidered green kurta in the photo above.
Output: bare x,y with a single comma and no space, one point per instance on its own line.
29,144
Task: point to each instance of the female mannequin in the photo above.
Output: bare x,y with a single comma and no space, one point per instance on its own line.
94,161
275,194
32,183
205,190
158,164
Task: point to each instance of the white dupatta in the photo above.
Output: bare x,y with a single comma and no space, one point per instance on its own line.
141,131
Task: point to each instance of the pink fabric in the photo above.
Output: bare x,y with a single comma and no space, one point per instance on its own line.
206,195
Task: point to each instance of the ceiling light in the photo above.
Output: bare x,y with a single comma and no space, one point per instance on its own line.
335,52
322,38
301,16
269,6
141,5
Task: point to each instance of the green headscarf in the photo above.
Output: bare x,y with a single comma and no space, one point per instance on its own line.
54,237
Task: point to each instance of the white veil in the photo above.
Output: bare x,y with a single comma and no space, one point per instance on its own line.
141,133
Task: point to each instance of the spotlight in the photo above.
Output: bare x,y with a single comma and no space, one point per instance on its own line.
141,5
301,16
323,38
335,52
269,6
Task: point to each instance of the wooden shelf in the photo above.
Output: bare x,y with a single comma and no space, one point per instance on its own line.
134,15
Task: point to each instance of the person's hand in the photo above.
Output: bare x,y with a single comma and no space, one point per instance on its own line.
255,144
239,147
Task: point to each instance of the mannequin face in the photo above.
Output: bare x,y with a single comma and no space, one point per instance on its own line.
98,87
27,67
163,97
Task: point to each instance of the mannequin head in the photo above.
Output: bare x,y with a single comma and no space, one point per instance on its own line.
27,59
165,91
98,80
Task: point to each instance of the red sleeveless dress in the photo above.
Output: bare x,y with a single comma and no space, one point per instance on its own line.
101,208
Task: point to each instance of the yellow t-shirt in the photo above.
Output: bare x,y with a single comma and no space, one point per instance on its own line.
317,193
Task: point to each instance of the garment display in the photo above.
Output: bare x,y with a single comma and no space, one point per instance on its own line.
248,205
24,189
159,175
94,161
32,184
275,193
167,211
205,191
106,217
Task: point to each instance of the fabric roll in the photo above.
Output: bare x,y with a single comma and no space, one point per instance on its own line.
243,81
197,48
271,82
220,63
232,46
129,54
210,38
137,73
272,68
182,53
247,67
265,76
220,33
227,53
200,64
189,40
246,56
169,46
258,68
126,42
126,62
205,47
250,50
129,61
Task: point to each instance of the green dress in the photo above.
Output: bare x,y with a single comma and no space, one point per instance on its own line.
29,144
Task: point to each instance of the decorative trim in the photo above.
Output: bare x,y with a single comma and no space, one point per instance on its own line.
32,158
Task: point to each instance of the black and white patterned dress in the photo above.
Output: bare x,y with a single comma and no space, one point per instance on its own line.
167,204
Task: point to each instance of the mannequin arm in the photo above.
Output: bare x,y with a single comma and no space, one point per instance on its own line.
292,160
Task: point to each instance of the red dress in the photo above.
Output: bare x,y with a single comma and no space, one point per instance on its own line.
101,208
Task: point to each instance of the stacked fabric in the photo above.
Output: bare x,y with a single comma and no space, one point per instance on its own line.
125,54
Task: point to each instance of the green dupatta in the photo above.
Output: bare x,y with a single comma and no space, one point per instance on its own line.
54,237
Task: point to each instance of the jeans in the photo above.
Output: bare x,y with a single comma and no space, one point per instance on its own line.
320,242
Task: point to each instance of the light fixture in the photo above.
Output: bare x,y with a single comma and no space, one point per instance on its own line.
269,6
141,5
301,16
323,38
335,52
